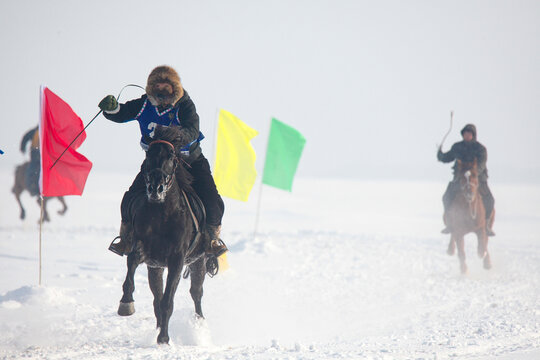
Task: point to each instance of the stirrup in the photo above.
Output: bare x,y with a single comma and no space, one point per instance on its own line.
222,247
212,265
115,248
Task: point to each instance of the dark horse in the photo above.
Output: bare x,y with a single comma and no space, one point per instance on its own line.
163,232
467,214
22,184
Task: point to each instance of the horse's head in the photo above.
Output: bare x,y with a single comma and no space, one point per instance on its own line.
161,162
467,175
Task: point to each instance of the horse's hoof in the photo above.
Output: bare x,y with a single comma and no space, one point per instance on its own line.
126,309
199,317
450,251
487,263
163,339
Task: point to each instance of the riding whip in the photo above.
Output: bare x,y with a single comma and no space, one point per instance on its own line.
100,111
450,129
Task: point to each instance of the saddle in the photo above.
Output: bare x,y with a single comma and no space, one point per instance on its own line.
196,207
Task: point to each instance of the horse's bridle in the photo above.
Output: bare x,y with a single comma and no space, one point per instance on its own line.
170,176
161,142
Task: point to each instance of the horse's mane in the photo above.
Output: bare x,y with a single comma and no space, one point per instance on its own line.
171,134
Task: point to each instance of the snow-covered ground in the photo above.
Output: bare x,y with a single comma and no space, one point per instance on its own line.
338,270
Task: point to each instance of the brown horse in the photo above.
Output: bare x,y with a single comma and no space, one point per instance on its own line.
21,185
467,214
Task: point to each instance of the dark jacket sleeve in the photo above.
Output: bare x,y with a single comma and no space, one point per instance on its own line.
482,158
127,111
447,156
189,122
189,119
27,138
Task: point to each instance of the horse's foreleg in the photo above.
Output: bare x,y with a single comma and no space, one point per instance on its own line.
482,242
175,265
460,242
487,261
18,188
63,202
198,271
127,306
155,280
18,197
483,238
451,247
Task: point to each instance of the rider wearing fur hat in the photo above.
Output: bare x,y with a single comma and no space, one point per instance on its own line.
166,103
468,150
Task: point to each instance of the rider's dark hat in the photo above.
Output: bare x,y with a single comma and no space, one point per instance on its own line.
470,128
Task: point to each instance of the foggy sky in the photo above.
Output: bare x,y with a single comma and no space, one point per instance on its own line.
370,84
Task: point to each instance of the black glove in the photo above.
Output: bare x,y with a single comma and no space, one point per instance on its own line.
108,103
439,154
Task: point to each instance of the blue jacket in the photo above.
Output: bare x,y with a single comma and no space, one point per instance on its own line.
182,114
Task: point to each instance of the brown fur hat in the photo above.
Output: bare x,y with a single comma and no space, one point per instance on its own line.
168,75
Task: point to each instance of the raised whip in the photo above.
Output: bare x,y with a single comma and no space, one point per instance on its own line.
450,129
100,111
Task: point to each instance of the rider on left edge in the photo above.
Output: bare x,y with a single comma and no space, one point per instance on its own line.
32,171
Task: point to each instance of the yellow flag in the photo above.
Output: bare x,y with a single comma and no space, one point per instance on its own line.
234,169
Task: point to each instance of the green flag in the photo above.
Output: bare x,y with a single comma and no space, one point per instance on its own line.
285,145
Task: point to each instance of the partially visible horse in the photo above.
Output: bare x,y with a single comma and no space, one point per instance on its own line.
467,214
163,231
21,184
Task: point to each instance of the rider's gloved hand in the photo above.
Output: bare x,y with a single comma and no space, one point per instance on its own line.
439,154
108,103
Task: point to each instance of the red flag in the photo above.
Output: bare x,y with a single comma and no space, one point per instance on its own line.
59,125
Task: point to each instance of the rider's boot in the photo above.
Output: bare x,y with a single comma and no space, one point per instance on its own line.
216,248
124,245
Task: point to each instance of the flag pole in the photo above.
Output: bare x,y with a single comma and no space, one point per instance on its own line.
257,214
40,226
41,104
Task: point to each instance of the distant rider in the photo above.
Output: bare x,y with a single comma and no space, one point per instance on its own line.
32,171
468,150
166,103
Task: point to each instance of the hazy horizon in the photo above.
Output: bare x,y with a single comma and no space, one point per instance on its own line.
369,84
